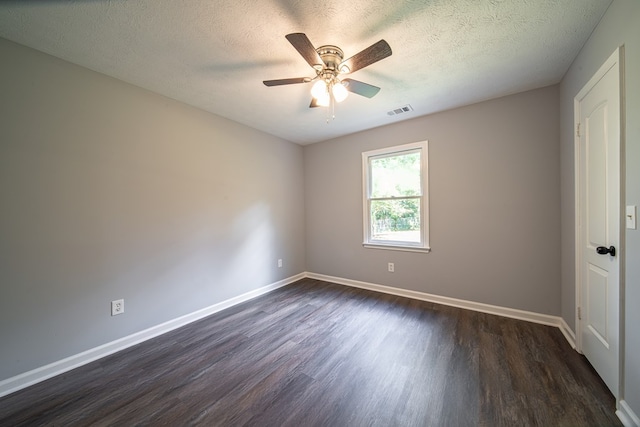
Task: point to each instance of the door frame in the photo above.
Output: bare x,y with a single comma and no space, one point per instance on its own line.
616,57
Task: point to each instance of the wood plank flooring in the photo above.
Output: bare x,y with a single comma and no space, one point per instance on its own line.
320,354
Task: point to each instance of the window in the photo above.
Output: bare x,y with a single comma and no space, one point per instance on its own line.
396,197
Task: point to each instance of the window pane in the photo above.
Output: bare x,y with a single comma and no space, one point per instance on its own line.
396,220
396,176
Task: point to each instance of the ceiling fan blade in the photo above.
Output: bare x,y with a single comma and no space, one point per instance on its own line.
281,82
373,53
314,103
360,88
302,44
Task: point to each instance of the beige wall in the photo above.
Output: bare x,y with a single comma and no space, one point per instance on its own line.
494,195
618,27
108,191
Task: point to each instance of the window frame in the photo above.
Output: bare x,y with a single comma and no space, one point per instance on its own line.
367,156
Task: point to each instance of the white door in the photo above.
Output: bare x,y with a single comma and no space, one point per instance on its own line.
598,233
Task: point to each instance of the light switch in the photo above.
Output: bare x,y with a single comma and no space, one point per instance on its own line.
631,217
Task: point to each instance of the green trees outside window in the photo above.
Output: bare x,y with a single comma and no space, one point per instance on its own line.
395,197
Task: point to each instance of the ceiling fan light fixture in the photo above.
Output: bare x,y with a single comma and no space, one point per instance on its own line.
324,100
319,89
340,92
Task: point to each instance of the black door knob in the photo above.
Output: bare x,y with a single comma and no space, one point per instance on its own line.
603,250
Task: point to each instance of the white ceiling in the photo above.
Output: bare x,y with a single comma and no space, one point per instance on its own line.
215,54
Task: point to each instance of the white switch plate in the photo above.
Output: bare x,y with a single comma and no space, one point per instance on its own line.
279,263
392,267
631,217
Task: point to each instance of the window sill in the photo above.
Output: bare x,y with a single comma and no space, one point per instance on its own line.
396,247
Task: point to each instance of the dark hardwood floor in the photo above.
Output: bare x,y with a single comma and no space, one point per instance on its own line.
319,354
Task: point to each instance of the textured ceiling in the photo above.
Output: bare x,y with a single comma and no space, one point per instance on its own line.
215,54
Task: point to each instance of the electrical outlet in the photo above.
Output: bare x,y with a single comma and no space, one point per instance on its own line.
392,267
117,307
279,263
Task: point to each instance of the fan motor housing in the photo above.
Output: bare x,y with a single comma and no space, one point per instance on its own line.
331,56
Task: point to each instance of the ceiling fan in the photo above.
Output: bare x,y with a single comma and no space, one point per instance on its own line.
328,63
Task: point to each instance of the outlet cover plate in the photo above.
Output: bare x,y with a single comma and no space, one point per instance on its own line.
117,307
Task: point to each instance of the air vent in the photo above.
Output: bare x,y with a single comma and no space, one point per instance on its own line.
400,110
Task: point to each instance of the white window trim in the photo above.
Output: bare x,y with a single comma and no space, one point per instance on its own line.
368,242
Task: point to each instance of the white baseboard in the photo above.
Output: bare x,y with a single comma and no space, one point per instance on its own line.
568,333
626,415
37,375
513,313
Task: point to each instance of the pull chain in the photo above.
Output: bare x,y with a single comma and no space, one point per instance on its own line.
332,105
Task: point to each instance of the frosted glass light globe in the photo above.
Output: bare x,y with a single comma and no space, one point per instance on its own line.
319,89
340,92
324,99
